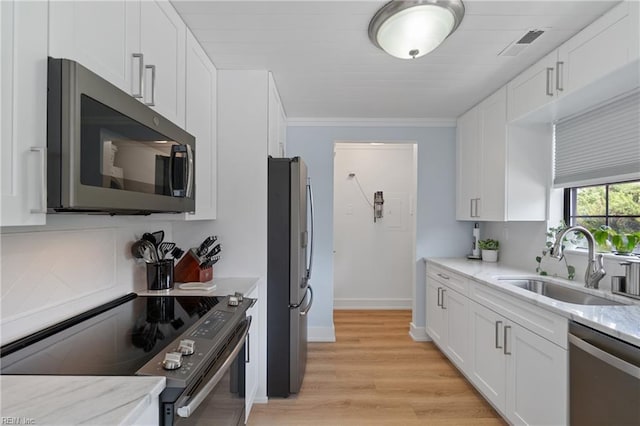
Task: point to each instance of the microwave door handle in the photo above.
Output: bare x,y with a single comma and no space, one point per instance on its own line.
186,172
190,173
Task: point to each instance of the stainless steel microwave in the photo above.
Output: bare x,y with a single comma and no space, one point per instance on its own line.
108,152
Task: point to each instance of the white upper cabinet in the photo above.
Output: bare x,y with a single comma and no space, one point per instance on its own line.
201,122
102,36
501,169
23,118
277,122
162,42
468,165
608,44
138,46
593,66
493,176
534,88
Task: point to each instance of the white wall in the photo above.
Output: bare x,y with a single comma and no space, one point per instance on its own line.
74,263
241,221
438,233
374,261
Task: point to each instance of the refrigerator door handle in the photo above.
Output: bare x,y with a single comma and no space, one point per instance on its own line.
301,303
310,192
308,308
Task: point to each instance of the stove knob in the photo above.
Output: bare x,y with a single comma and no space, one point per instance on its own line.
186,347
233,301
239,296
172,361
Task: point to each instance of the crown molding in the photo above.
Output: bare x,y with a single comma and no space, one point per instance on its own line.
369,122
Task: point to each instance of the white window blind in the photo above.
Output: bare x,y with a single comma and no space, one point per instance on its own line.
599,146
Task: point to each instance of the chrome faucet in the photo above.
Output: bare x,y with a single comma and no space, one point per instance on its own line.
595,269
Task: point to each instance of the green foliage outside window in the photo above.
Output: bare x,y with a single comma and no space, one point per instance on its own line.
611,212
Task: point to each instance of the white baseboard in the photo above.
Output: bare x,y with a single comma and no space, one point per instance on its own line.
372,303
419,334
261,400
321,334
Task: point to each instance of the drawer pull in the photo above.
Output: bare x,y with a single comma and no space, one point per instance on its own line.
446,277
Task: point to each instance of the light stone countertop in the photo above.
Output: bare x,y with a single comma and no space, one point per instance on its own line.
223,287
72,400
621,321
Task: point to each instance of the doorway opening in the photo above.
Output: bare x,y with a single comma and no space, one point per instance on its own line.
374,224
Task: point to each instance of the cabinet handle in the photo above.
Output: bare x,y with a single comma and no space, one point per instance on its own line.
43,178
549,85
506,352
477,208
471,207
498,324
559,82
153,85
446,277
439,290
443,290
140,58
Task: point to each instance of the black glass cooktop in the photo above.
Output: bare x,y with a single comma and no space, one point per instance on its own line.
115,339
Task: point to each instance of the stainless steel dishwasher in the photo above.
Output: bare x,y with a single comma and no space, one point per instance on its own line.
604,379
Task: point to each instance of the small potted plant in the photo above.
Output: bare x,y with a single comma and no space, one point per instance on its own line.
489,249
625,243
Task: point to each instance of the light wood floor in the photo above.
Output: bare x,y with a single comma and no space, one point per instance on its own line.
375,374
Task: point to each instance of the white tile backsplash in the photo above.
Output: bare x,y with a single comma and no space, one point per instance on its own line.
53,272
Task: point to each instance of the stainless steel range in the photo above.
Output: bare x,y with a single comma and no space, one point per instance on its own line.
195,342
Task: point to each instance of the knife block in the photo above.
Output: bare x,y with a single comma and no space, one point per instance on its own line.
188,269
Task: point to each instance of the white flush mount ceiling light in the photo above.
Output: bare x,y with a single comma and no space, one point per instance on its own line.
410,29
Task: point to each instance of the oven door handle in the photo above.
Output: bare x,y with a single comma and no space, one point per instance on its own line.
196,400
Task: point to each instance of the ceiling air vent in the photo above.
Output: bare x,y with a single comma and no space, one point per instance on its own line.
518,46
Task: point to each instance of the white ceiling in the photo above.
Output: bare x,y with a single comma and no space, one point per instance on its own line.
325,66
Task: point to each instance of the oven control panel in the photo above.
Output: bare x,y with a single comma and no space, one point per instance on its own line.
187,357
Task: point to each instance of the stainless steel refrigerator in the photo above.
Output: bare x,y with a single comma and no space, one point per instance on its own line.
290,258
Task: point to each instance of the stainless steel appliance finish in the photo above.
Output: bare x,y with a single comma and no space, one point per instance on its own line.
108,152
558,292
604,377
290,260
200,338
595,268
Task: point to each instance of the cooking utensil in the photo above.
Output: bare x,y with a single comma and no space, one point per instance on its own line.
165,248
159,236
149,237
143,249
202,250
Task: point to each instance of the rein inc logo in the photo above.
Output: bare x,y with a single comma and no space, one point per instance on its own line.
17,420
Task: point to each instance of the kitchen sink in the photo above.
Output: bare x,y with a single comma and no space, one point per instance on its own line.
558,292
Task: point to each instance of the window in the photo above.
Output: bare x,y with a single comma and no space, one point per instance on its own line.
616,205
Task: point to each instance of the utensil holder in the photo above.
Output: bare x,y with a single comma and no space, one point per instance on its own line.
160,275
188,269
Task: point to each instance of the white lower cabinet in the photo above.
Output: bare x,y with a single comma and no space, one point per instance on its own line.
447,321
522,374
537,374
